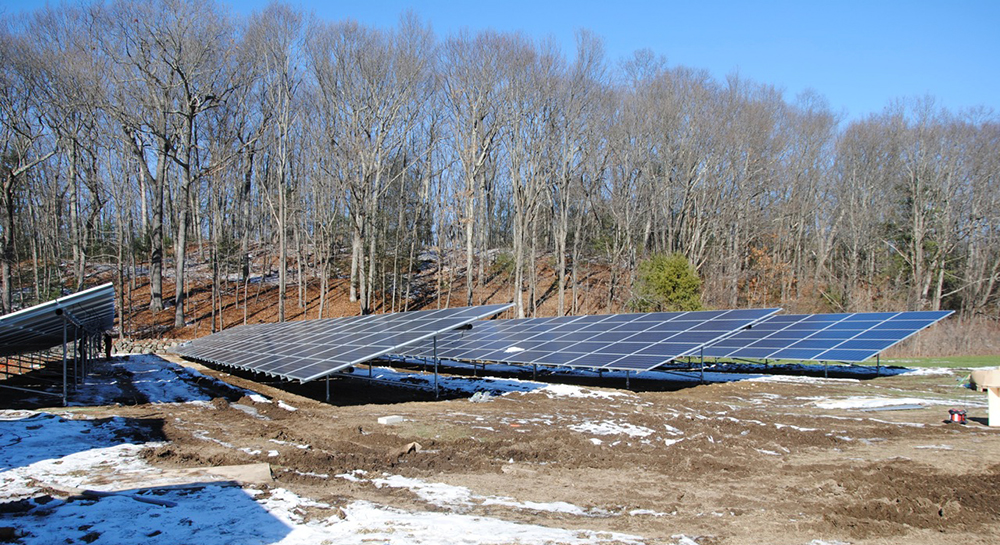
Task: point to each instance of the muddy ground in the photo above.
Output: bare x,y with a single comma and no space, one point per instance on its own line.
741,462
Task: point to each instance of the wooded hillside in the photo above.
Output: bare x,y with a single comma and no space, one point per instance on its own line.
135,133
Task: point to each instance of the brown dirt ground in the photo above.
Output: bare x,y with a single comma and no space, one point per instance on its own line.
759,461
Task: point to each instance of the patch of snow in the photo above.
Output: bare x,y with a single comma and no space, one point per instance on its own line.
608,427
27,436
513,350
548,507
450,496
929,371
647,512
670,442
569,390
257,398
871,402
312,474
796,428
672,430
904,424
439,494
204,436
768,452
286,406
252,411
296,445
392,526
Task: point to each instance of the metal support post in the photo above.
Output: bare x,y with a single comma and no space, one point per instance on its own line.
437,394
65,394
534,371
701,357
77,351
878,365
328,388
628,385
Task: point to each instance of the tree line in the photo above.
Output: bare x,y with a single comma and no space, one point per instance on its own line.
133,133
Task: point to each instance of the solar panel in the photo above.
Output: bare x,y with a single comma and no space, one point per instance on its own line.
824,337
630,342
313,349
41,327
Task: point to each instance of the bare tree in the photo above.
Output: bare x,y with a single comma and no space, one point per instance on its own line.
23,146
371,84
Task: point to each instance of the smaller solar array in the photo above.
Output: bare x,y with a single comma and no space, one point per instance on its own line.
824,337
41,327
312,349
630,342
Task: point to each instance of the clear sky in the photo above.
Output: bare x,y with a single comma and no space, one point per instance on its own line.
860,55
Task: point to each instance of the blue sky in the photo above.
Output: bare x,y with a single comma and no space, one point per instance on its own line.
860,55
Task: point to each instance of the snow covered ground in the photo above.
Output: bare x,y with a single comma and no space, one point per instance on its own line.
48,458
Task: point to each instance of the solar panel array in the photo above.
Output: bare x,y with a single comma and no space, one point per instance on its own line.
41,327
824,337
631,342
308,350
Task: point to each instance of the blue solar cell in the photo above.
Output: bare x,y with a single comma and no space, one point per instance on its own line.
932,315
908,325
823,344
870,345
656,317
795,354
797,327
847,355
670,327
559,346
769,343
621,348
703,315
612,336
649,336
731,342
633,327
590,360
557,358
636,363
699,337
668,350
890,334
871,316
853,325
577,337
819,317
834,334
